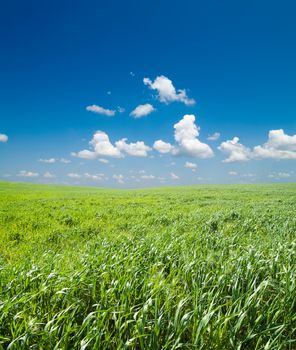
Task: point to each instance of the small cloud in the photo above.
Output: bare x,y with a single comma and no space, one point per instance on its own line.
137,149
142,110
3,138
74,176
49,161
190,165
120,109
103,160
147,177
65,161
236,151
48,175
162,147
167,92
119,178
214,137
100,110
174,176
25,173
232,173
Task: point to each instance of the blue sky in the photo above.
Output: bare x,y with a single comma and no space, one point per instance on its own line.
72,75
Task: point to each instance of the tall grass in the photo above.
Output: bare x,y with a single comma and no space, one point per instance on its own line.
189,268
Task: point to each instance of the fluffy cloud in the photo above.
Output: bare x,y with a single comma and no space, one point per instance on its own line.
48,175
54,160
167,92
147,177
95,177
278,146
190,165
74,176
103,160
174,176
214,137
137,149
236,151
162,147
100,110
3,138
186,136
49,161
233,173
25,173
102,147
142,110
119,178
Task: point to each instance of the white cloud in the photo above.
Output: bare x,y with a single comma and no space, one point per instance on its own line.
137,149
174,176
95,177
3,138
85,154
279,175
162,147
214,137
119,178
148,177
103,147
48,175
74,176
120,109
142,110
233,173
278,146
54,160
25,173
190,165
50,160
235,151
100,110
186,135
103,160
167,92
65,161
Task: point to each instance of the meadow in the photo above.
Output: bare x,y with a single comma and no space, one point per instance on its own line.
202,267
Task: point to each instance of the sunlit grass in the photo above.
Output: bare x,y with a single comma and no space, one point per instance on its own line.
173,268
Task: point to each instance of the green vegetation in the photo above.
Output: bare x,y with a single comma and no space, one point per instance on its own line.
208,267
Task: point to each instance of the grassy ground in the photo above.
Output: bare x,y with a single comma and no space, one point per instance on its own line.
173,268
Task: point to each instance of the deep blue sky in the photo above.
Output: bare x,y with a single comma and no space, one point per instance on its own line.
235,58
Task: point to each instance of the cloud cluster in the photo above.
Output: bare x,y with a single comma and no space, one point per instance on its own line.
167,92
3,138
102,147
278,146
187,142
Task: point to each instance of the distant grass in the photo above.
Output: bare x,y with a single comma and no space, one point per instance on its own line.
205,267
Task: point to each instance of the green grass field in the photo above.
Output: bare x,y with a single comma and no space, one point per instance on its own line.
207,267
